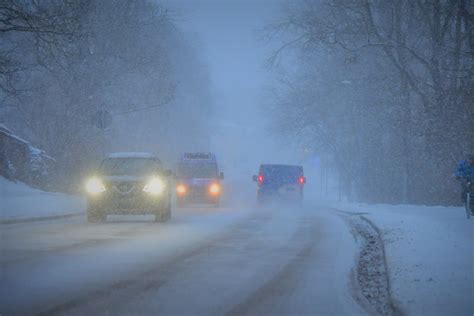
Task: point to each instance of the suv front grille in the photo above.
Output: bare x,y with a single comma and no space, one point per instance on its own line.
125,188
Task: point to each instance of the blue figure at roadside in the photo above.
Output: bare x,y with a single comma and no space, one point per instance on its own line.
465,172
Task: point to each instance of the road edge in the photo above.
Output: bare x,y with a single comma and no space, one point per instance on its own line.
392,302
369,236
10,221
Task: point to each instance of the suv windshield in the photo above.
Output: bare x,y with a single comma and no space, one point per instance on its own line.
127,166
197,170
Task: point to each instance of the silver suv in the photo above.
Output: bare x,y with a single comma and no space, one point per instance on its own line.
129,183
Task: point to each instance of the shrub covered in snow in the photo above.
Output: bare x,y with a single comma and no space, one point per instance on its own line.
21,161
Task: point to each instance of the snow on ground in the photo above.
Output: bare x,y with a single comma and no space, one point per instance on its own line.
430,256
72,257
232,259
19,201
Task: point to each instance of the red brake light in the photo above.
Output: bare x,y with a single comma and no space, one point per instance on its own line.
214,189
181,189
301,180
260,179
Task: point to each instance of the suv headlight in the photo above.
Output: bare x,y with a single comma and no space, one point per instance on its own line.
95,186
155,186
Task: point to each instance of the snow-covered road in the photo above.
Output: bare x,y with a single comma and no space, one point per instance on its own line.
236,260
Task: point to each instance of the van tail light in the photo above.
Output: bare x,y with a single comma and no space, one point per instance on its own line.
260,179
302,180
181,189
215,189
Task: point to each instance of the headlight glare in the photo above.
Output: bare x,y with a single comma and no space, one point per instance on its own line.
95,186
154,186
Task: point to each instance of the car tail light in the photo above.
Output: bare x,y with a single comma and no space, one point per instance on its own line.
214,189
260,179
181,189
302,180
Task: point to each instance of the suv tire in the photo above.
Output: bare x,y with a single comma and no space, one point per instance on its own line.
95,216
165,214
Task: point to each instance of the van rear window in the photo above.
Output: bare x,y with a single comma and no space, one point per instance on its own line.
197,170
197,156
281,172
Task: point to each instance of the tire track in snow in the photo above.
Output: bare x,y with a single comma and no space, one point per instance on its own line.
289,276
153,279
126,232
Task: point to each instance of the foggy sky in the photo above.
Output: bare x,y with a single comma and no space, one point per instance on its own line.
229,37
228,32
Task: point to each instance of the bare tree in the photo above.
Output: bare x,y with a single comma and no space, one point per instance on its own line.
124,57
424,49
38,23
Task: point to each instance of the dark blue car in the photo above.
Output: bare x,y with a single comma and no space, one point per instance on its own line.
280,181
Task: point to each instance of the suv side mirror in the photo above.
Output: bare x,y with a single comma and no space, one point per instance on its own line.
221,175
254,178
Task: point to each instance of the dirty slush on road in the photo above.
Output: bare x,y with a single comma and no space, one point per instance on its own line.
370,277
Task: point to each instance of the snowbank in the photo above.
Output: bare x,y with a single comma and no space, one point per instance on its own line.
430,256
19,201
